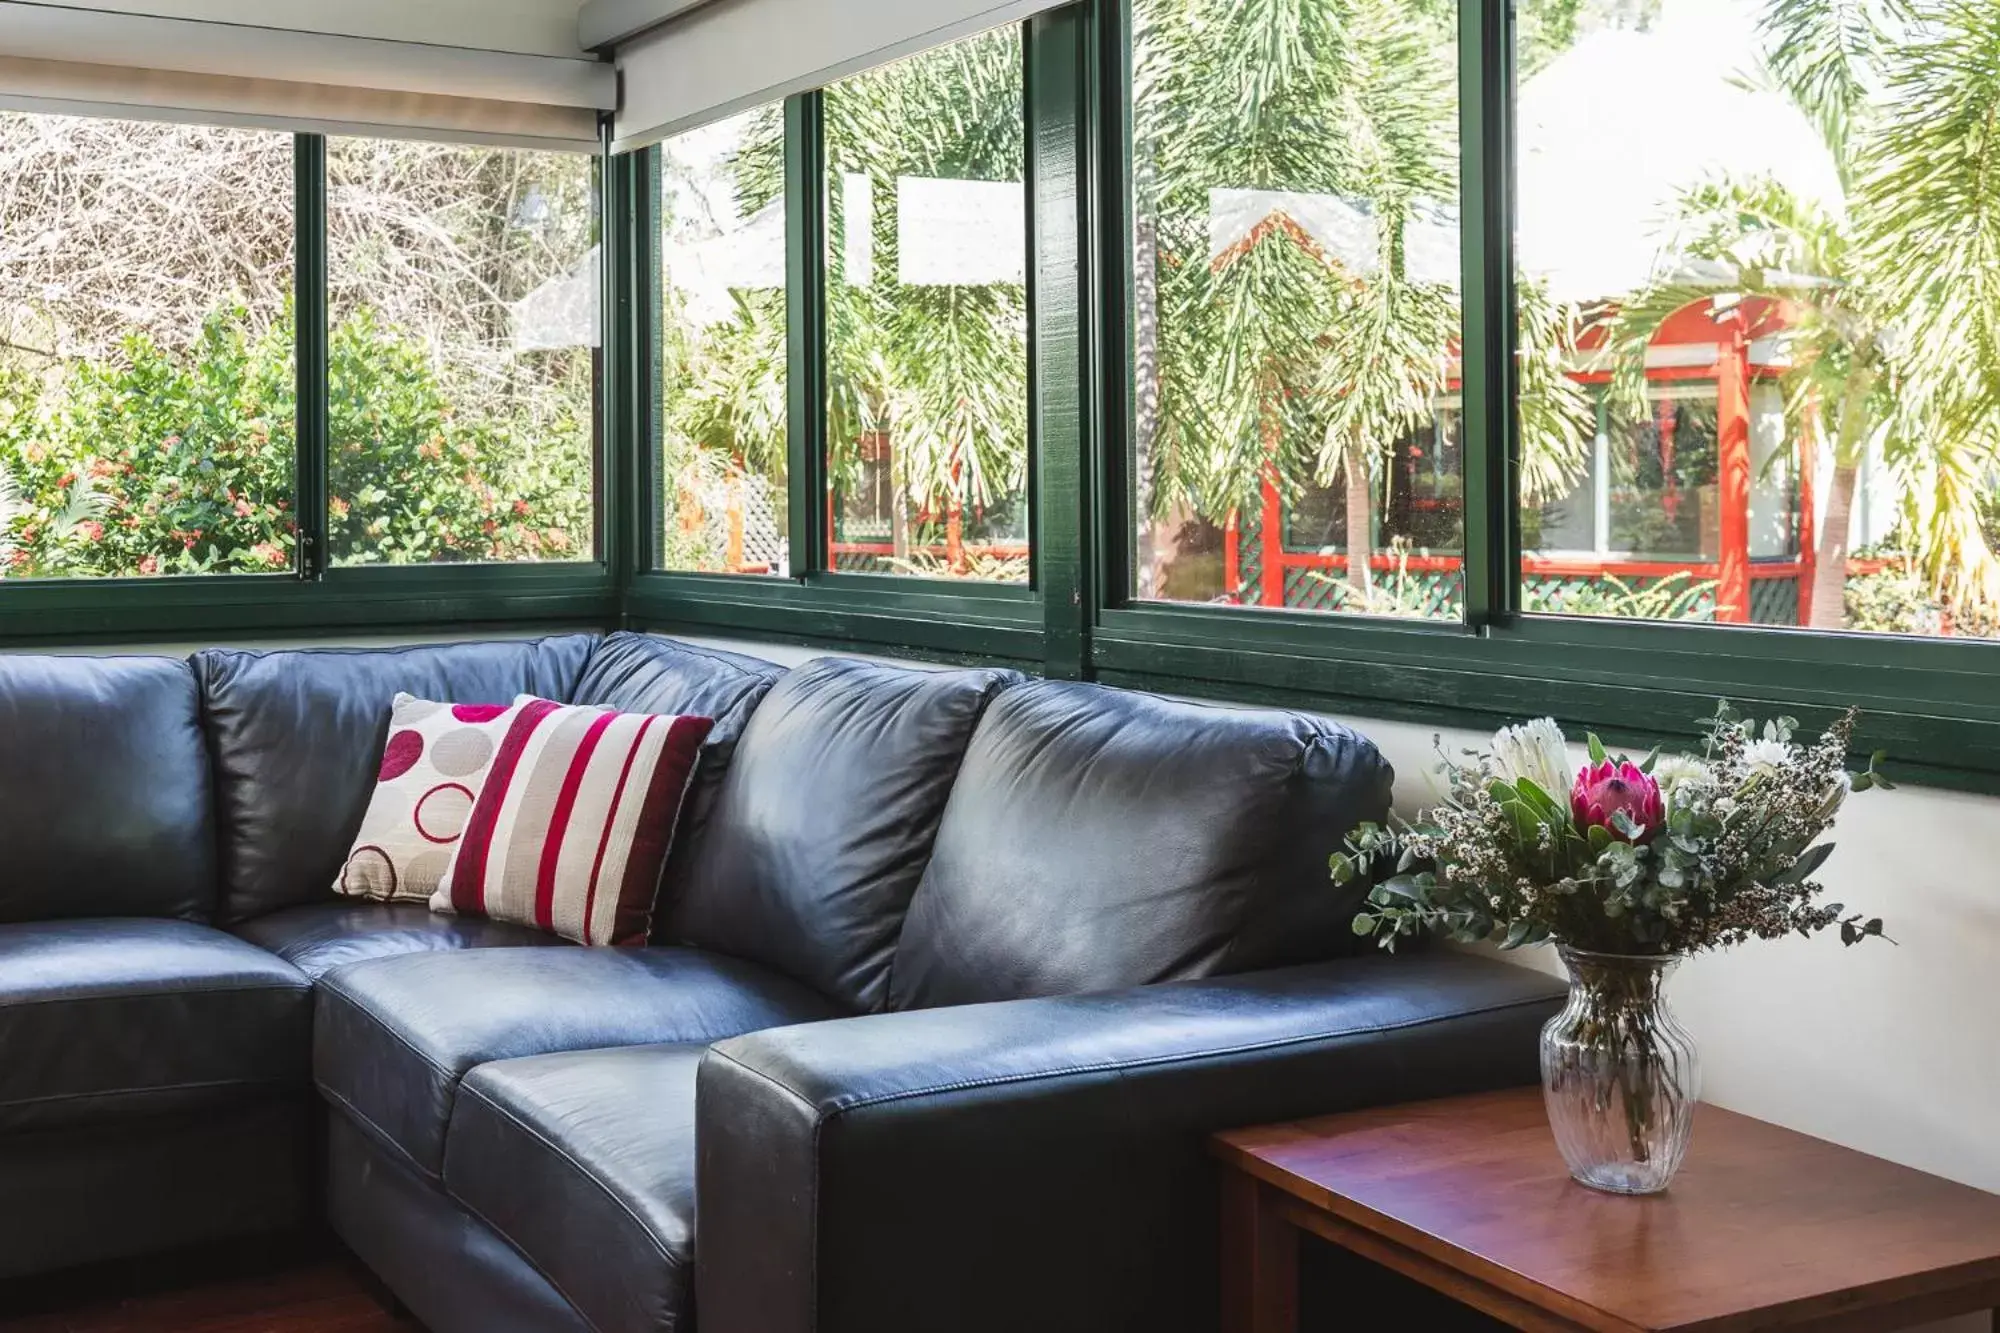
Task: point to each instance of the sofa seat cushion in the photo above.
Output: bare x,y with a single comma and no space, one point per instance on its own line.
318,938
111,1020
585,1163
393,1038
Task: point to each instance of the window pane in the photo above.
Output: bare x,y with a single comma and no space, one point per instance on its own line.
1758,366
721,316
927,328
1296,315
464,290
146,382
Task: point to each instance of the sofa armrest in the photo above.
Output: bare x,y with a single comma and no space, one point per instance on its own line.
1040,1164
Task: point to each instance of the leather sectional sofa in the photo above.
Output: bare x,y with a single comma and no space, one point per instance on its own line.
953,971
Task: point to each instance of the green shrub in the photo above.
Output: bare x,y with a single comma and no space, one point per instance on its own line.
413,478
158,461
1898,601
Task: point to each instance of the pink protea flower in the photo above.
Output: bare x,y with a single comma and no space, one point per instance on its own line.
1602,790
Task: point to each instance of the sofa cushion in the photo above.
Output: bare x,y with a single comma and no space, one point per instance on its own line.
826,818
297,736
645,673
104,790
393,1037
434,765
585,1163
571,831
113,1020
1099,839
322,936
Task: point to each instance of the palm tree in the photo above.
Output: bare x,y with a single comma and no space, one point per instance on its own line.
1931,175
1280,357
1783,253
936,373
1276,357
1888,308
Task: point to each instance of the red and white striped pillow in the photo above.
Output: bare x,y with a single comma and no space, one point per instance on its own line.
571,831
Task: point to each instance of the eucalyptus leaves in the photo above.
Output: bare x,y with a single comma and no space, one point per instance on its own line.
1674,854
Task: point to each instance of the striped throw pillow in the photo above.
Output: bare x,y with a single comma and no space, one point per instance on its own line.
571,831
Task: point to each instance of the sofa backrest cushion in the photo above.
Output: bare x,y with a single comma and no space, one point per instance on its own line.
825,819
104,790
1099,839
296,739
645,673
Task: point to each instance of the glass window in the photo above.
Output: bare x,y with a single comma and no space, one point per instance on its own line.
720,431
1295,315
1744,250
146,381
927,324
462,380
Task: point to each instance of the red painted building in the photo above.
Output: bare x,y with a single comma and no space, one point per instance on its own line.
1707,487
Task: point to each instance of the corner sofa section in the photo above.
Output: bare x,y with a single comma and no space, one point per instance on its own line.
952,973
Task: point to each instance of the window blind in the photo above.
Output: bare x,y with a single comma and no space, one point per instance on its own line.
715,59
92,62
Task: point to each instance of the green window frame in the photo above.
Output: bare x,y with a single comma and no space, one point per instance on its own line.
1933,704
314,597
816,604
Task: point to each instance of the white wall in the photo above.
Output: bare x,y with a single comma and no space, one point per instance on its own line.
529,27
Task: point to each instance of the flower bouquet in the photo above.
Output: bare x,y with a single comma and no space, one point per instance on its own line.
1628,867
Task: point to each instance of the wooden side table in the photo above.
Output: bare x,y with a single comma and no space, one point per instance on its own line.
1762,1229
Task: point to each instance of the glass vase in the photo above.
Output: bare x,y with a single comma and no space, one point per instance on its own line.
1619,1073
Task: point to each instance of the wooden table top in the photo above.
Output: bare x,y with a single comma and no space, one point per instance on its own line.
1762,1228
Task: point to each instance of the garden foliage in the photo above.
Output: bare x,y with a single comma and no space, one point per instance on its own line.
153,460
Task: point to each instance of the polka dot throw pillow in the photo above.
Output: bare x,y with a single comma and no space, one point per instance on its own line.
433,766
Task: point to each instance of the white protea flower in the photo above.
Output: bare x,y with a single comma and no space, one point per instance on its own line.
1536,751
1767,756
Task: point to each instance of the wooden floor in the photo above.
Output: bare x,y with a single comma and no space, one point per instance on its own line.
323,1296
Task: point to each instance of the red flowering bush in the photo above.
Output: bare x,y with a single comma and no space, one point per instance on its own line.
414,477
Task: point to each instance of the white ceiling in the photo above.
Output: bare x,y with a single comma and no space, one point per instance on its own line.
529,27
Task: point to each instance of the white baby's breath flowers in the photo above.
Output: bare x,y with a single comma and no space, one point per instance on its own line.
1536,751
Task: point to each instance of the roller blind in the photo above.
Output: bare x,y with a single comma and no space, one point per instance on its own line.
726,56
92,62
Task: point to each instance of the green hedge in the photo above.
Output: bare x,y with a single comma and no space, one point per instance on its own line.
180,461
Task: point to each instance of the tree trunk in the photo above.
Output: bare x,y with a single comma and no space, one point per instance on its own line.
1829,588
899,530
899,507
1360,522
1156,547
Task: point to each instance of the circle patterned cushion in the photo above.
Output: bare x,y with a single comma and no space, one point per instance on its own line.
433,765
